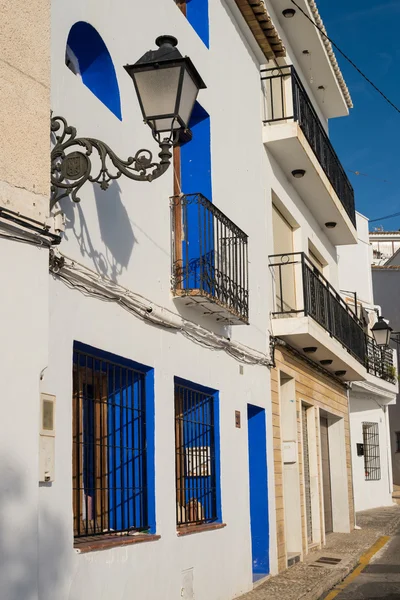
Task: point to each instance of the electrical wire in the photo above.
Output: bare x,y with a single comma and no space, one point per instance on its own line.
347,57
33,242
396,214
77,276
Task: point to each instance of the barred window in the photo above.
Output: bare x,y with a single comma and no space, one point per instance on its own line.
109,446
196,492
372,464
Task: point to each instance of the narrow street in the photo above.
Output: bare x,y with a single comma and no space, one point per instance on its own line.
380,580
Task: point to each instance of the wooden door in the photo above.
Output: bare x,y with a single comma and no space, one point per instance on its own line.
284,275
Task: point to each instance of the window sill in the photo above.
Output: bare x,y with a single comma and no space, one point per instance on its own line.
95,543
190,529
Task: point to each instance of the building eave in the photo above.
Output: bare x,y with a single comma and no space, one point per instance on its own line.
331,53
262,28
362,389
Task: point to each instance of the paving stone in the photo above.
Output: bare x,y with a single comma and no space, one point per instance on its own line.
306,582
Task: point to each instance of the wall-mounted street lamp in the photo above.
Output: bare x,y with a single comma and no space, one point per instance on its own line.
167,85
381,332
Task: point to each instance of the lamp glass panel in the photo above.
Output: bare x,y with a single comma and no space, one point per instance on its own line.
381,336
158,89
188,98
167,124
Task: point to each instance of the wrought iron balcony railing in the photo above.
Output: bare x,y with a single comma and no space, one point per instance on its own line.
209,255
296,277
380,361
286,99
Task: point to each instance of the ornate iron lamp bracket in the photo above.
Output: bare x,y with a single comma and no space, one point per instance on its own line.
70,171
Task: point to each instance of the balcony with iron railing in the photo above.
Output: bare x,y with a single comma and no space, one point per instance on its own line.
210,264
307,308
299,142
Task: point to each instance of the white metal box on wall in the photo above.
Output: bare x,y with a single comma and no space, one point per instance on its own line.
47,437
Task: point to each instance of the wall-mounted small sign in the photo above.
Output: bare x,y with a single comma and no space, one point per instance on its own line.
360,449
237,419
289,452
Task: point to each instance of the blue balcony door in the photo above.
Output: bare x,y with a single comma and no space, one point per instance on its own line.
198,253
259,520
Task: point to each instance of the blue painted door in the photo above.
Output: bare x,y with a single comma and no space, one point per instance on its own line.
198,223
259,521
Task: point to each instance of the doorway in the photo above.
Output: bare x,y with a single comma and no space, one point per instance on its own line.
258,483
307,479
326,474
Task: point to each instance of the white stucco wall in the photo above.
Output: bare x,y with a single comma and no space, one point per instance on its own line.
24,309
124,235
355,273
222,558
369,494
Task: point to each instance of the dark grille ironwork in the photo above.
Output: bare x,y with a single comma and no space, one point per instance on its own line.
196,500
326,306
287,99
372,461
109,447
210,254
320,301
380,361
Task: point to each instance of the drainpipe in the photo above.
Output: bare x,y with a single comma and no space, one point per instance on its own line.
388,448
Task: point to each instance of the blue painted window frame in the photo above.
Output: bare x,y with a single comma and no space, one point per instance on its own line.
148,443
216,465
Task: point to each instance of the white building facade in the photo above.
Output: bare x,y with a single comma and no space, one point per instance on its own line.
184,392
161,397
369,399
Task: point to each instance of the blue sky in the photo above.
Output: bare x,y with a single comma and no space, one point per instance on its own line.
368,140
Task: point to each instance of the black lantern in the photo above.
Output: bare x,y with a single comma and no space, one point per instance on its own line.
381,332
167,85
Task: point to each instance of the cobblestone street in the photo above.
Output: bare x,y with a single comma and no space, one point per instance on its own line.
307,582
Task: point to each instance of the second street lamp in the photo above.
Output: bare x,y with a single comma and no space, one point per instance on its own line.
167,85
381,332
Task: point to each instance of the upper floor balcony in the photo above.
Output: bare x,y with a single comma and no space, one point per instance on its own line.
299,142
210,264
313,317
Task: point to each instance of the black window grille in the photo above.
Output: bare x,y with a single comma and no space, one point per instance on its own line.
372,462
196,500
397,441
109,447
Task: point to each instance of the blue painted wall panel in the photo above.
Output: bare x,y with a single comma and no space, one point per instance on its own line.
196,155
95,65
197,15
258,490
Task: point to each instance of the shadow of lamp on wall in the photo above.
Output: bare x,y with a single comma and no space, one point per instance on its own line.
167,85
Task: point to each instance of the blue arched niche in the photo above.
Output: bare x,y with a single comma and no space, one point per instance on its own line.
93,61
